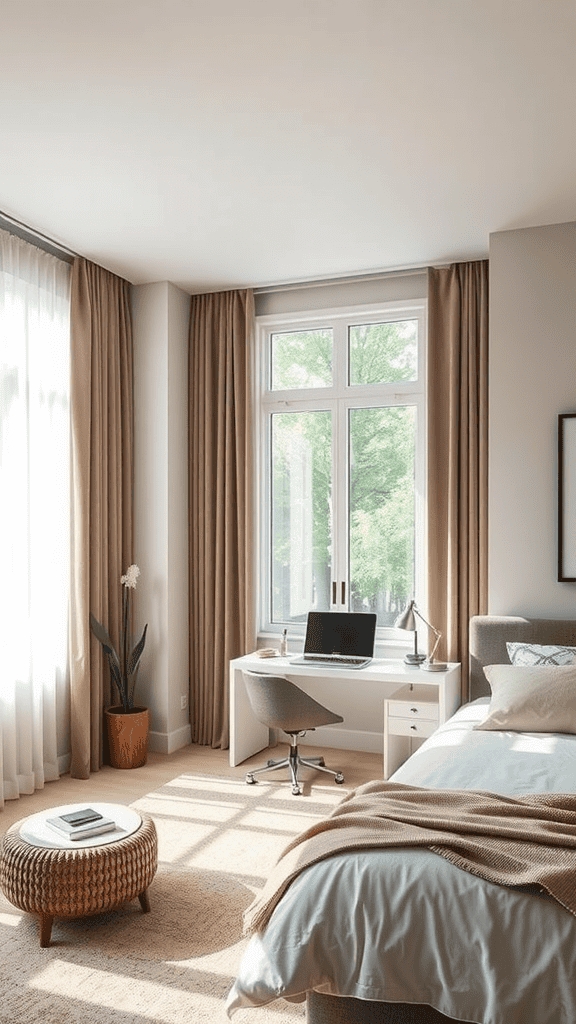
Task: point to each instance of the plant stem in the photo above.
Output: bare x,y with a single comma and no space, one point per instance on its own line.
124,654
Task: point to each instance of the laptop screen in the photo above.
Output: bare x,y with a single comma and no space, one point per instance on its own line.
348,633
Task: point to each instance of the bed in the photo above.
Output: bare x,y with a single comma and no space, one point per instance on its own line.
402,936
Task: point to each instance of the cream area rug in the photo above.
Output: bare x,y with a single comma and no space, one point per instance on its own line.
217,841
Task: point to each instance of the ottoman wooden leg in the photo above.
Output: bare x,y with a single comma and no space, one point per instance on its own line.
46,922
144,902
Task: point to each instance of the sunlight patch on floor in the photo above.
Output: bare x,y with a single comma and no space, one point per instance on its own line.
243,848
279,820
204,810
205,786
13,920
317,795
175,847
223,962
162,1004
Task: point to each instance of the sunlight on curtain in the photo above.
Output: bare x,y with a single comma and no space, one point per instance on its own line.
34,511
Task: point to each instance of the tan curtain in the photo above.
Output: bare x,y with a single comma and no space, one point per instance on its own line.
457,453
221,541
102,484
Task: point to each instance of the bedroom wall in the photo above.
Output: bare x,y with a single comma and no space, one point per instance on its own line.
348,292
161,314
532,380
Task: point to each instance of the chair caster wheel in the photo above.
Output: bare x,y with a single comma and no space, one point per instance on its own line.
270,762
250,780
296,791
321,762
339,778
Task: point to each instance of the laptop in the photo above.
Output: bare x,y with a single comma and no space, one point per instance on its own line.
338,640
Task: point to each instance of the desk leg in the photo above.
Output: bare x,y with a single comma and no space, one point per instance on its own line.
247,734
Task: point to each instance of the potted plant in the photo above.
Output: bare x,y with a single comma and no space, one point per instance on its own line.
127,723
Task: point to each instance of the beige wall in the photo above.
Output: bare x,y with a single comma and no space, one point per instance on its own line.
161,315
348,292
532,380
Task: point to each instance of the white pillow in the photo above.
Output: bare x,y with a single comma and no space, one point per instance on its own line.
531,698
538,654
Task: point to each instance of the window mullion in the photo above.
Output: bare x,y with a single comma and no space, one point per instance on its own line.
340,467
340,511
340,375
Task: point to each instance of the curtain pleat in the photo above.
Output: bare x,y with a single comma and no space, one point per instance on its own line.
221,512
102,426
457,453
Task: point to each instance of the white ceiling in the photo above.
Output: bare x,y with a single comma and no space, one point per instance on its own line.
222,143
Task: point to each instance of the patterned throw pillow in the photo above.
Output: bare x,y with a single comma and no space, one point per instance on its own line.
537,654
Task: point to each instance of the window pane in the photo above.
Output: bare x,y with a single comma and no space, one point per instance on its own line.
302,359
384,353
301,528
381,507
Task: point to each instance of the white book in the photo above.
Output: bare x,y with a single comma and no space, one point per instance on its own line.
83,831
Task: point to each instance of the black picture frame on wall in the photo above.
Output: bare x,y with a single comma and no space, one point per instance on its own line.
567,497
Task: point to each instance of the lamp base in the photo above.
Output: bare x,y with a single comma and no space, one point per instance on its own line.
435,666
414,659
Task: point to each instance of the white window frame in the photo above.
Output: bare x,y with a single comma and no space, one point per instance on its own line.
354,396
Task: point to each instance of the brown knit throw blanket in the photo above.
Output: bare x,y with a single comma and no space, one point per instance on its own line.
516,841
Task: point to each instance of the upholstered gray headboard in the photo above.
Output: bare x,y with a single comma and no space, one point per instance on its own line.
488,636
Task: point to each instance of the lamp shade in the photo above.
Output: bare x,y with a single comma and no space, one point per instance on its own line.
406,619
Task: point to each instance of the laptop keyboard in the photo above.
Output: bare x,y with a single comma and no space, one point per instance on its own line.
324,659
338,661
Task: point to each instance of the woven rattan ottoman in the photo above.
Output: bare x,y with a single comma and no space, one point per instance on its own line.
57,877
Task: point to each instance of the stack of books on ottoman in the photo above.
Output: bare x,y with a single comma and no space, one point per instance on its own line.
81,824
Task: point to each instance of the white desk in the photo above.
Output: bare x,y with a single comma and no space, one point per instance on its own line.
356,694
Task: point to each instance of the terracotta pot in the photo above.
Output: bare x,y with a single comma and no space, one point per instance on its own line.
127,736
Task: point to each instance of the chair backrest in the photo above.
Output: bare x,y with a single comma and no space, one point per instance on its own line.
280,704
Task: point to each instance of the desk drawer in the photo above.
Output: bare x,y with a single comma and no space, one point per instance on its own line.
405,727
413,709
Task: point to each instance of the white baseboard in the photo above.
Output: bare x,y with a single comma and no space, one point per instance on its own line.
168,742
159,742
343,739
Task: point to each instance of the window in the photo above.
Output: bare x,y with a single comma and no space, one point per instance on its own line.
342,404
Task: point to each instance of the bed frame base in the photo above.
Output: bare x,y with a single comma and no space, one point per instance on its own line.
322,1009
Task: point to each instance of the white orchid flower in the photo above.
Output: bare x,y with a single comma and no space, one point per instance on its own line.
132,574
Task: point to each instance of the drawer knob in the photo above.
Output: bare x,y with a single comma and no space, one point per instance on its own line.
413,727
414,711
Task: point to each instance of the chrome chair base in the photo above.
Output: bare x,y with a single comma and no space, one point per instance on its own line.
293,761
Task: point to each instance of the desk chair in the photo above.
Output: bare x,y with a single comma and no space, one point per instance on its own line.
279,704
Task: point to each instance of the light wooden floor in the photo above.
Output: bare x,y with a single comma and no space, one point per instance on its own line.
115,786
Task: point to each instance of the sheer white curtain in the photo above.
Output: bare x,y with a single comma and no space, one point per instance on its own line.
34,513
